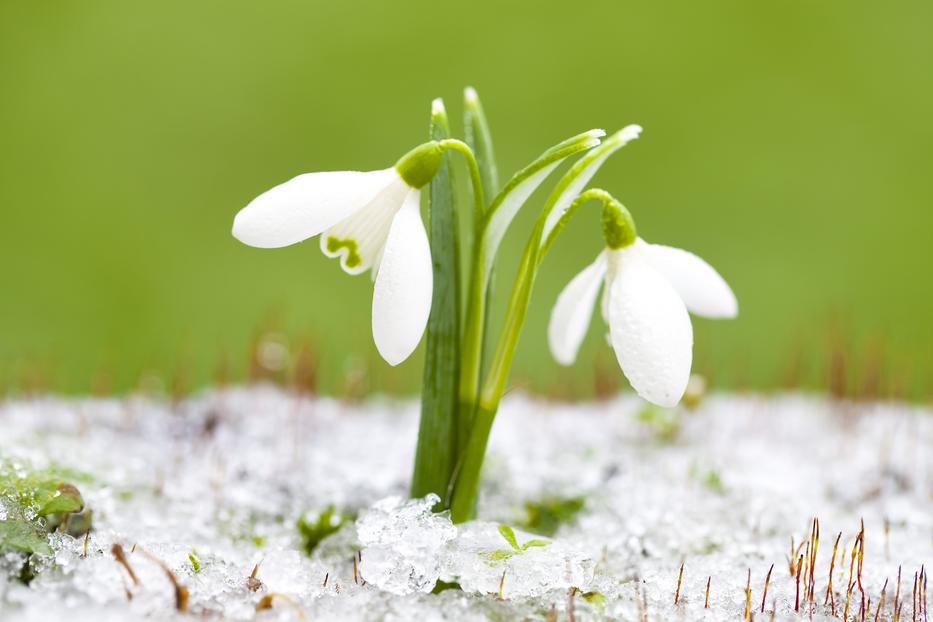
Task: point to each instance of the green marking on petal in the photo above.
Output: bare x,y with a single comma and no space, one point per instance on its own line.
352,257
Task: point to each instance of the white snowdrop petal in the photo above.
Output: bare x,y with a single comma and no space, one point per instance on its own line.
358,240
702,289
404,284
649,328
573,310
307,205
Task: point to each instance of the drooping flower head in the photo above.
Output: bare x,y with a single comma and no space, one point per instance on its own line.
369,221
648,290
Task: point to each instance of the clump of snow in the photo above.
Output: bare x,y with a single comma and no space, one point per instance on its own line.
402,543
476,561
407,548
224,477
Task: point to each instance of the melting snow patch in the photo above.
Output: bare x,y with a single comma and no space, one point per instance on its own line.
605,502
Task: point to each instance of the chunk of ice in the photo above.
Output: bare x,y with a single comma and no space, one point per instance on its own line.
402,544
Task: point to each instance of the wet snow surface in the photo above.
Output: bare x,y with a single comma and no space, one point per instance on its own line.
224,477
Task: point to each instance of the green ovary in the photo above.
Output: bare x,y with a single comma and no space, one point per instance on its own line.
352,259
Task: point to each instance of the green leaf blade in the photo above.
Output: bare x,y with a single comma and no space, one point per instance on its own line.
479,138
509,534
435,455
23,537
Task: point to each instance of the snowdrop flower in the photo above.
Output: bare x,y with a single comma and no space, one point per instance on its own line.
370,221
648,291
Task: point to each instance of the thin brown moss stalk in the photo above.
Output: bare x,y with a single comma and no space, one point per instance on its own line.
120,556
680,577
832,566
181,592
265,603
764,596
797,598
881,599
815,539
845,612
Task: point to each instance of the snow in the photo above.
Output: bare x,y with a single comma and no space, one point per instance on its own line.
225,476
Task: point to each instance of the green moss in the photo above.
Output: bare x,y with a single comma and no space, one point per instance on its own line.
442,586
597,599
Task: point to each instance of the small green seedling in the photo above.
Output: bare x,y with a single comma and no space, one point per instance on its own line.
195,563
597,599
314,529
509,535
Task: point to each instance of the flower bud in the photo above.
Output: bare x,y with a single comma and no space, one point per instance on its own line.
418,166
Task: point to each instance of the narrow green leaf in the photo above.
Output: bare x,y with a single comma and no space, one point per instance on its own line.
437,433
535,542
479,138
509,534
510,199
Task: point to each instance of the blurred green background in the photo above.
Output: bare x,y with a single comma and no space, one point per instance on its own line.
789,143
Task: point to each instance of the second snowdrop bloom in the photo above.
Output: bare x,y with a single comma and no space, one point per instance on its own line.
648,291
369,221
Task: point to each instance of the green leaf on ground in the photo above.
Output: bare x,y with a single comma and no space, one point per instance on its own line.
546,515
65,499
23,537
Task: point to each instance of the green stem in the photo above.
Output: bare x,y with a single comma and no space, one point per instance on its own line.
470,468
476,178
479,138
489,234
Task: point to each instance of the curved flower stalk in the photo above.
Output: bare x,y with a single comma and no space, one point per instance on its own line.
368,221
491,229
648,291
